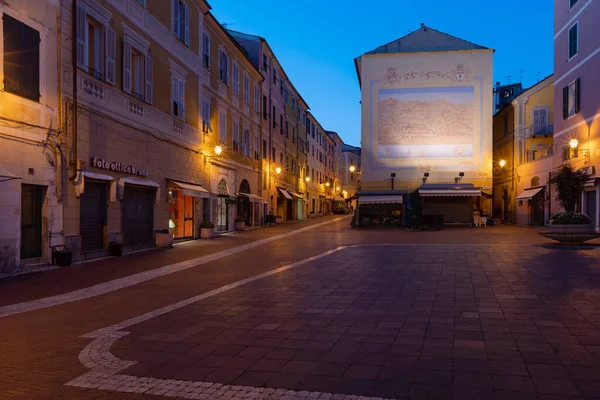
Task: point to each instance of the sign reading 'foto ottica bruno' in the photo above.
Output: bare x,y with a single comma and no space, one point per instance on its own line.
118,167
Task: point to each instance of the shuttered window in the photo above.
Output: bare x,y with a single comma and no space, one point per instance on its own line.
181,21
21,59
573,41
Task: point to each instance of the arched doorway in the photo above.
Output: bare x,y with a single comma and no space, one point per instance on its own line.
243,202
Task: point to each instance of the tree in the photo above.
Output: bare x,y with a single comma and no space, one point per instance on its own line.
569,184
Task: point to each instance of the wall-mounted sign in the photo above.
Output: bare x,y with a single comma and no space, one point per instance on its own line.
118,167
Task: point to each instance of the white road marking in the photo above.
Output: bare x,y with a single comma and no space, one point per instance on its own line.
121,283
105,368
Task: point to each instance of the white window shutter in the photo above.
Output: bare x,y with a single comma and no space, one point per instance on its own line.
182,98
81,33
111,55
126,67
186,23
175,15
148,75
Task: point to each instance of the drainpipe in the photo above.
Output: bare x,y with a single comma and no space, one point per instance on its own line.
74,112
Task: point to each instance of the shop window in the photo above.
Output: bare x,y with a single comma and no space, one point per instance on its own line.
181,214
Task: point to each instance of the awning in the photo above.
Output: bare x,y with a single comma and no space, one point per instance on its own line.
255,198
349,199
528,194
285,194
80,183
138,182
5,175
392,199
294,194
189,189
449,192
590,183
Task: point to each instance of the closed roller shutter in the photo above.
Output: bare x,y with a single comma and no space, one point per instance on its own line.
454,209
138,216
92,215
591,208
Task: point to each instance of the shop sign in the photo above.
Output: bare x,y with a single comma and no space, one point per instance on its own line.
117,167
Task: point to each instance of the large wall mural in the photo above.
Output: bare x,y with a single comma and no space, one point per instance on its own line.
426,123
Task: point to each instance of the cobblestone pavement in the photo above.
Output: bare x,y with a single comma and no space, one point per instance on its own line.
332,313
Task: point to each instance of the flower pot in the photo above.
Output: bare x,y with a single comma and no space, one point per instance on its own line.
207,233
571,233
163,239
239,226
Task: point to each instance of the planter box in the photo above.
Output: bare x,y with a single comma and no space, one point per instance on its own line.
574,228
239,226
163,239
207,233
278,220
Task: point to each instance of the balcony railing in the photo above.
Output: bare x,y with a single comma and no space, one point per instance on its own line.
537,130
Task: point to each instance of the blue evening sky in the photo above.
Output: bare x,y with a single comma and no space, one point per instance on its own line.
456,95
316,41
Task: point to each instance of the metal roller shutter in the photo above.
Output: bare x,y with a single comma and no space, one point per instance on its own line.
138,216
591,208
92,215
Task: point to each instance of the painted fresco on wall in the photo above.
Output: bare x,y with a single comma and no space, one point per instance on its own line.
426,123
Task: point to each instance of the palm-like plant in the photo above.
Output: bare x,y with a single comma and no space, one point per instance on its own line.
569,184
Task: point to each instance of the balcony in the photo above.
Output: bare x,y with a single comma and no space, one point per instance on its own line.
542,130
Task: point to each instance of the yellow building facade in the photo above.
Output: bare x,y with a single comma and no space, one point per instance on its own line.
523,141
427,127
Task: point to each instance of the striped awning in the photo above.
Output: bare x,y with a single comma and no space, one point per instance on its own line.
528,194
285,194
449,192
393,199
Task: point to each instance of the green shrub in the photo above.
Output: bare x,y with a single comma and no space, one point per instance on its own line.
207,225
570,218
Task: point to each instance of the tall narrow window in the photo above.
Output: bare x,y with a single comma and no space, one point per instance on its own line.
178,89
224,67
181,20
21,59
246,89
222,127
137,74
265,109
246,143
206,128
236,78
256,98
235,136
573,41
206,50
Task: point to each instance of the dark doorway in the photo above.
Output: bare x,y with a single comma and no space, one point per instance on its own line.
243,203
537,209
92,215
32,199
289,209
505,204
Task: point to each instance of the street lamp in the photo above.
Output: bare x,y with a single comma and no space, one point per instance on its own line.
352,168
327,184
573,143
278,170
502,163
218,149
337,188
307,179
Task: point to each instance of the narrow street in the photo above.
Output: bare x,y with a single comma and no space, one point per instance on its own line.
316,308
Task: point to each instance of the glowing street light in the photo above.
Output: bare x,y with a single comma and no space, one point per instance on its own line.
218,149
502,163
573,143
327,184
307,179
352,168
337,188
278,170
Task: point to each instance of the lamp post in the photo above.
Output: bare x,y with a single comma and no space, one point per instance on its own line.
502,163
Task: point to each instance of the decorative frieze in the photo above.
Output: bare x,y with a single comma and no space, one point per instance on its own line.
136,109
93,88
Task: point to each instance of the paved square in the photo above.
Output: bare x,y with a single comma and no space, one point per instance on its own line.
397,321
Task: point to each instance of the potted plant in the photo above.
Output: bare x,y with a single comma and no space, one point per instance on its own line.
278,219
207,230
239,224
570,226
163,238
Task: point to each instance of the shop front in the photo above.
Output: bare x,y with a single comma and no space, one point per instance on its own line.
452,204
138,198
285,203
183,199
530,207
379,208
